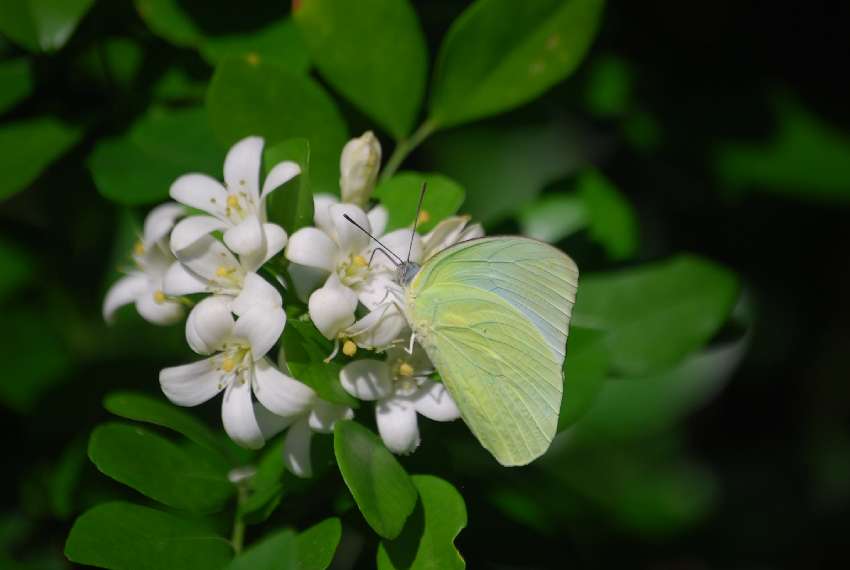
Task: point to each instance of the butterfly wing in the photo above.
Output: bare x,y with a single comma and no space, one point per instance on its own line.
493,315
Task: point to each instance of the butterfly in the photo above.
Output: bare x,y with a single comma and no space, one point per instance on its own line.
493,315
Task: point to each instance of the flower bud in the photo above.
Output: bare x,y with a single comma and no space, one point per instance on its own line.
359,165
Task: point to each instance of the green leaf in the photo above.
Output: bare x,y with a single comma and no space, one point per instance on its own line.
279,42
142,408
585,369
381,488
553,217
15,82
139,167
303,349
274,552
41,25
291,206
500,54
265,488
400,195
427,540
608,92
655,315
611,220
315,547
16,269
503,168
27,147
123,536
371,51
160,469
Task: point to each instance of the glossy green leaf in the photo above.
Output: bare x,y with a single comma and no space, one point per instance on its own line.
157,411
253,97
41,25
279,42
16,269
160,469
611,221
608,92
139,167
400,195
380,486
303,349
123,536
273,552
427,540
503,168
553,217
500,54
316,546
655,315
291,205
585,369
27,147
266,487
15,82
371,51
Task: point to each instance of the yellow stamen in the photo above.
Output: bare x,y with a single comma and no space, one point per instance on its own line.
405,369
349,348
159,297
252,58
139,248
424,216
232,201
223,271
360,261
228,364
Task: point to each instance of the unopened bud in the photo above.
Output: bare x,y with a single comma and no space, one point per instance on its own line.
359,166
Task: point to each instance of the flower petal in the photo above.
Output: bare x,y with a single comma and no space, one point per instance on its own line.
379,328
349,237
296,449
279,393
242,168
322,212
211,260
367,379
123,292
210,324
397,425
282,173
159,222
202,192
324,416
179,280
306,280
237,415
332,307
275,239
261,327
312,247
156,311
398,242
376,291
433,401
271,424
192,229
378,218
191,384
256,292
246,238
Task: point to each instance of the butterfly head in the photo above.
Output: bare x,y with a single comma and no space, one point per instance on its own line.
405,272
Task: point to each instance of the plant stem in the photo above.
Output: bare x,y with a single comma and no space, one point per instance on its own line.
406,146
237,537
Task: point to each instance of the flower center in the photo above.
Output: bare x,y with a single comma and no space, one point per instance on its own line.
234,362
159,297
349,348
353,270
139,248
238,205
405,370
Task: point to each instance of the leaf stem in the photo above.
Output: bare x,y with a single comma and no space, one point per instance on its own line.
237,537
406,146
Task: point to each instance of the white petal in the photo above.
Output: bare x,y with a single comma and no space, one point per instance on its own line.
237,415
209,325
159,222
279,393
202,192
379,328
274,239
192,229
158,312
433,401
312,247
306,280
271,424
474,231
261,327
398,242
322,212
397,425
211,260
378,218
123,292
350,238
191,384
376,291
282,173
179,280
366,379
296,449
444,234
256,292
324,416
246,238
242,167
332,307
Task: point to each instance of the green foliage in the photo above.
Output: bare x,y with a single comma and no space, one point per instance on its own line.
249,96
400,195
290,206
553,217
180,477
274,552
42,25
427,540
380,486
122,536
266,487
655,315
27,147
16,82
585,369
608,92
315,547
611,221
139,167
500,54
371,51
16,269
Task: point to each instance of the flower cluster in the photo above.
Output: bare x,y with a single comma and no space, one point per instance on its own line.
213,248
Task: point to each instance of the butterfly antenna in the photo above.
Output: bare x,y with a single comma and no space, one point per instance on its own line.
384,248
416,219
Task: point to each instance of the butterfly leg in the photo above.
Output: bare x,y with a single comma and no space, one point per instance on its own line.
387,255
334,353
409,348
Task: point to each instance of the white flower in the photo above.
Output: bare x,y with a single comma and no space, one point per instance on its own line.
449,232
359,166
401,388
238,365
237,208
144,284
